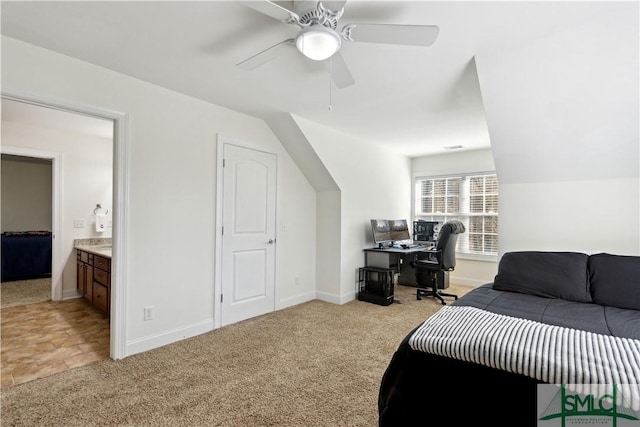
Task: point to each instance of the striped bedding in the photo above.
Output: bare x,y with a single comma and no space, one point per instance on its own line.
552,354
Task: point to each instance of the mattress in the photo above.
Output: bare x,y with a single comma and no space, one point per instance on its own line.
418,382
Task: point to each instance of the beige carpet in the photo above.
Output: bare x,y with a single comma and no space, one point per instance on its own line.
23,292
315,364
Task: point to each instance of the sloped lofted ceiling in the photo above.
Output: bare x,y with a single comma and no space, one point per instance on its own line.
566,107
415,100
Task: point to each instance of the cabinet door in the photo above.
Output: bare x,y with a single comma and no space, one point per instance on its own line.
101,277
80,279
89,282
102,263
101,297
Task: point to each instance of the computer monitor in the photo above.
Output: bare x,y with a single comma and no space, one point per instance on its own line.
387,231
399,230
426,231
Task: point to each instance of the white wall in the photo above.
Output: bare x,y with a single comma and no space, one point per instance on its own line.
373,182
87,173
296,236
327,202
172,186
329,255
563,114
26,194
471,272
585,216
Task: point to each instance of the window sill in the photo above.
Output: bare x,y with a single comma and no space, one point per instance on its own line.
477,257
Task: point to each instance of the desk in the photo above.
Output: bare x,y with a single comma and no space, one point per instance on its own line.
396,258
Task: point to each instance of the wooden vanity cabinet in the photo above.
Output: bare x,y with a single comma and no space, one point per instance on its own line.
101,297
84,280
101,287
94,280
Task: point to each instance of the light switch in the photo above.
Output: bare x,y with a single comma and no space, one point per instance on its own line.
78,223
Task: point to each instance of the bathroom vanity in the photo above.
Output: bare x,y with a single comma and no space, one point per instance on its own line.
93,280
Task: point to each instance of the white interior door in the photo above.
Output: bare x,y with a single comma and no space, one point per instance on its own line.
248,239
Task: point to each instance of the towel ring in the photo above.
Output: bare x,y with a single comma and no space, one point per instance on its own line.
98,206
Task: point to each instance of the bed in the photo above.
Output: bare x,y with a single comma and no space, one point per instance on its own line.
550,322
26,255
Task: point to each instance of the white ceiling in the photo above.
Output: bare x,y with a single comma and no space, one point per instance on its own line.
416,100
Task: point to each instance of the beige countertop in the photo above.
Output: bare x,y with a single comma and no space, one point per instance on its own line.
100,247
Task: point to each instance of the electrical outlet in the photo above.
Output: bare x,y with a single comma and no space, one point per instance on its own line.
78,223
148,313
297,280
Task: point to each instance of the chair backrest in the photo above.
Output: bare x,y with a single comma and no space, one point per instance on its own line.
447,239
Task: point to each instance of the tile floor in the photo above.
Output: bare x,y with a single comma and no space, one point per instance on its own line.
38,340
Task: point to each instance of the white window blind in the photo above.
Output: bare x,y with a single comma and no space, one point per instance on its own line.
471,199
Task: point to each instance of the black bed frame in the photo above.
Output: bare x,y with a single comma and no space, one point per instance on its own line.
417,382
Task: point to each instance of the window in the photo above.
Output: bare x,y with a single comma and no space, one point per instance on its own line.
472,199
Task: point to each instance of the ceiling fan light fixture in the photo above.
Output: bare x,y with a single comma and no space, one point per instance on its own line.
318,42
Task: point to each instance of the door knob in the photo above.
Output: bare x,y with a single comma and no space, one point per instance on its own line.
271,241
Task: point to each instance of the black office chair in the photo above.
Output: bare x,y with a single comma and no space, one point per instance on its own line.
443,258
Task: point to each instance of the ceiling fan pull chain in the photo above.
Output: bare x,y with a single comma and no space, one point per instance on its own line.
330,88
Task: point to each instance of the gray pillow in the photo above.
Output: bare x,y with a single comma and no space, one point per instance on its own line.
615,280
545,274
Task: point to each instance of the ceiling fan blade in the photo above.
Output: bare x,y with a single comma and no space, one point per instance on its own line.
340,72
334,6
266,55
273,10
412,35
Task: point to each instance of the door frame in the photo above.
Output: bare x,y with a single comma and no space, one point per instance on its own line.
120,233
221,140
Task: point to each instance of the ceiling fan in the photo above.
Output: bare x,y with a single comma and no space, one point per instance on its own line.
319,38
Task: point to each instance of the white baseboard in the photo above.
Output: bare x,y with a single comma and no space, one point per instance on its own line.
70,294
336,299
332,298
149,343
298,299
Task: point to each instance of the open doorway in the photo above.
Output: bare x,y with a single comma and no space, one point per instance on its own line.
79,150
26,230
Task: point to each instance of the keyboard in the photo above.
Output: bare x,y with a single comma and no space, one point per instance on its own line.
410,246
